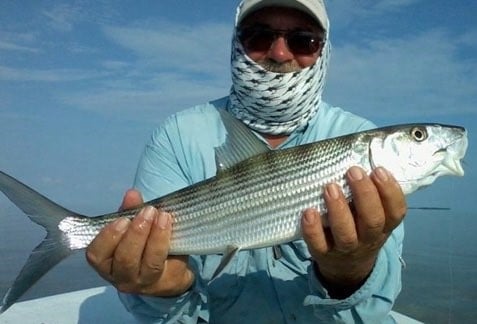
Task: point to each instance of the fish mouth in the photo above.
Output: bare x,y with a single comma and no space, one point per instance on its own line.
454,155
451,164
454,166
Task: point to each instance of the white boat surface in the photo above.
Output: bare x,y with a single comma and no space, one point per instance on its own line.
94,305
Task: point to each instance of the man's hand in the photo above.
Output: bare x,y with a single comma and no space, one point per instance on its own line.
133,254
346,251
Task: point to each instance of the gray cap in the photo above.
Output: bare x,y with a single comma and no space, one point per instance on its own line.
315,8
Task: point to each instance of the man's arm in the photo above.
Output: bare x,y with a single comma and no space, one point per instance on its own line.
345,254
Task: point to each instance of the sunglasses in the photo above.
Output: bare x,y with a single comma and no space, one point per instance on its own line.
299,42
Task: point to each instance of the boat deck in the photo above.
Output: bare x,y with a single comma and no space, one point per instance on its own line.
95,305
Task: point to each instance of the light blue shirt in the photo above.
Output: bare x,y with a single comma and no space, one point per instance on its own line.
257,286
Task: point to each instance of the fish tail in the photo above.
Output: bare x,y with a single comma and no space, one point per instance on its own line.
47,254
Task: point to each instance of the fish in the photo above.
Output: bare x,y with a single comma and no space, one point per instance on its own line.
257,197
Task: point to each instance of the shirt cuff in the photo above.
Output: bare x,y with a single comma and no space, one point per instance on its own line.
185,308
319,295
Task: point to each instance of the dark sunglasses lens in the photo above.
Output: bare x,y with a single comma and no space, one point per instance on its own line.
303,43
299,42
256,39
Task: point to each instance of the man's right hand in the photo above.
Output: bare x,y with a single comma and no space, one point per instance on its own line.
133,254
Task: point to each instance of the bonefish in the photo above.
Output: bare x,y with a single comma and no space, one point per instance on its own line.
257,197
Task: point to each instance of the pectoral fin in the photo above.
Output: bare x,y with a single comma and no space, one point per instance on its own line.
228,256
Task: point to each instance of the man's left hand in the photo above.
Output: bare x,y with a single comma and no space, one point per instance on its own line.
345,252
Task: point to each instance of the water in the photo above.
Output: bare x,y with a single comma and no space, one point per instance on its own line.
439,282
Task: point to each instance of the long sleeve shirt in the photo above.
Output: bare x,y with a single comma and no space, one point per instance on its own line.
260,285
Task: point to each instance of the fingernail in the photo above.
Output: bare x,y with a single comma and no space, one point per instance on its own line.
121,224
163,220
332,191
309,217
148,213
356,173
382,174
125,201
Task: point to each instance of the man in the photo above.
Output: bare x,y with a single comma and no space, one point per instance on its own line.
349,271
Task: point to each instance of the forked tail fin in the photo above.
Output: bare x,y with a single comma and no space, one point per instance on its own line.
48,253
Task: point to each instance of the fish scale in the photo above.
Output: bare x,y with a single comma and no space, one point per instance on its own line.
274,189
257,197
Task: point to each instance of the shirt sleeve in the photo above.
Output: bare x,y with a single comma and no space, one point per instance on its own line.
161,170
190,307
374,300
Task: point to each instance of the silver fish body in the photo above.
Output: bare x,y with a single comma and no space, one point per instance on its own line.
258,202
255,200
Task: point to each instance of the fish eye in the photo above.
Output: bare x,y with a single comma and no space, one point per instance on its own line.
419,134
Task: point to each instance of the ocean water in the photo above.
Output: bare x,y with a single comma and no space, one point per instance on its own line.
439,281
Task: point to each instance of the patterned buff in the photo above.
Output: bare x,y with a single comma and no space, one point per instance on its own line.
275,103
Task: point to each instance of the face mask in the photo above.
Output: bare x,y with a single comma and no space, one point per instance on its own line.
271,102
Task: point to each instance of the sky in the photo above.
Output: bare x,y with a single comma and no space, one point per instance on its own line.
84,83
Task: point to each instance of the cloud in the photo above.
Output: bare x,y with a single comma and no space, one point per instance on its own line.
343,13
386,6
152,100
419,75
51,75
15,43
174,66
172,46
63,17
153,66
163,67
9,46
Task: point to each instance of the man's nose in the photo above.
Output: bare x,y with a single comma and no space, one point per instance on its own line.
279,51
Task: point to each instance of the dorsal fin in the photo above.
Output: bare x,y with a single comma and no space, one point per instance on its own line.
240,143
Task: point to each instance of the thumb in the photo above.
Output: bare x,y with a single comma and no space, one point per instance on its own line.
132,198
